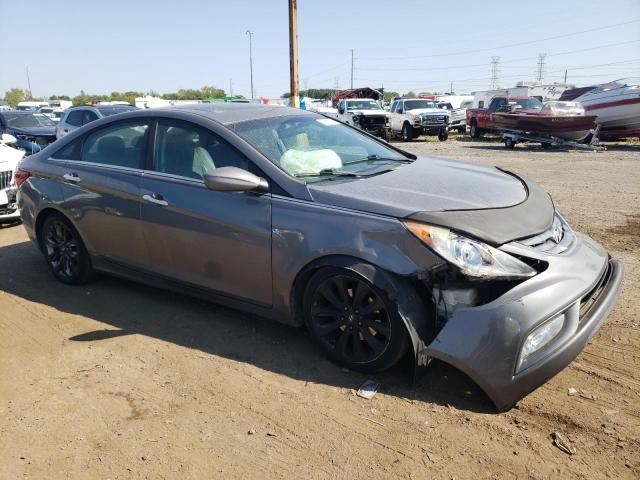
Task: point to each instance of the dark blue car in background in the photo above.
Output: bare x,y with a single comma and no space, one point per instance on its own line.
34,131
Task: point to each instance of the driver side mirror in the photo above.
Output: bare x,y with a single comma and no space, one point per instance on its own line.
341,109
400,110
234,179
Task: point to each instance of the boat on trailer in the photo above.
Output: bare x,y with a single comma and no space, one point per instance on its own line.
616,104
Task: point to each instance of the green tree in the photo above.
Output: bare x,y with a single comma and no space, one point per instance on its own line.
14,96
388,95
409,94
59,97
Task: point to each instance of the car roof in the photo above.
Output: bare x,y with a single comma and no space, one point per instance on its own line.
227,113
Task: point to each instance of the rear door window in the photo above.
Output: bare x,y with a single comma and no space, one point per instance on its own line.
88,117
75,118
119,145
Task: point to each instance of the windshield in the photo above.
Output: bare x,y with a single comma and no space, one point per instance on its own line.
362,105
312,147
415,104
58,114
530,103
113,109
26,120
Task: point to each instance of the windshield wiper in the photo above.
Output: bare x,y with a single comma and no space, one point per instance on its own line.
374,157
327,171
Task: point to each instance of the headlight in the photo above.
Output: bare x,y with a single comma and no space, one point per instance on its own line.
540,337
474,258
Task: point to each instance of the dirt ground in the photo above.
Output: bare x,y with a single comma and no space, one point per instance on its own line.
117,380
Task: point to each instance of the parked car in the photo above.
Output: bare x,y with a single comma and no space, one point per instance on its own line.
33,130
9,158
365,114
411,117
480,120
76,117
31,106
457,117
297,217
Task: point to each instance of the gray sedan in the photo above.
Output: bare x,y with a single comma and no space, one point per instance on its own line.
307,221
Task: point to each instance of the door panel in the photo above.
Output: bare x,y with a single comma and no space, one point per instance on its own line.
217,240
105,206
100,176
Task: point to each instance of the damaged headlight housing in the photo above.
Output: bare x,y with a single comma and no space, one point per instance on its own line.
474,258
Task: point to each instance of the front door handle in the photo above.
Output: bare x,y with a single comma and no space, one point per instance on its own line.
156,200
71,177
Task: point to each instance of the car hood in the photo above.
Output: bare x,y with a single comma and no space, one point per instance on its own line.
426,185
369,112
36,131
432,111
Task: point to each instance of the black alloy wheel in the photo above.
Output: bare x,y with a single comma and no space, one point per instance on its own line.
64,251
352,322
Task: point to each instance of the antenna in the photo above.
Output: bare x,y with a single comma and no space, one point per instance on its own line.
542,61
494,72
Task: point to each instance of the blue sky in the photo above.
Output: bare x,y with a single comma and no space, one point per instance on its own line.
118,45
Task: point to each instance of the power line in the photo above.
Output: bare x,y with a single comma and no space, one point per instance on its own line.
487,49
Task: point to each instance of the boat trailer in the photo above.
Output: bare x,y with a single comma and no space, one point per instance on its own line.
590,142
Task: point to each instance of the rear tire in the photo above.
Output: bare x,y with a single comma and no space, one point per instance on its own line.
407,132
64,251
509,143
356,324
474,131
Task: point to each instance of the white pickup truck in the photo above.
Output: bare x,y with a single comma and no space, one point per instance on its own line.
411,117
365,114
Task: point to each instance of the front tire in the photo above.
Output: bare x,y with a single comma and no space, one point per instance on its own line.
354,323
443,135
407,132
64,251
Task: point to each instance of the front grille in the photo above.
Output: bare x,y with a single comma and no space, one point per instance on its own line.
589,300
546,241
373,120
433,120
5,179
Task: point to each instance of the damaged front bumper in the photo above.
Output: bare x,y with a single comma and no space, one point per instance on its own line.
486,341
8,205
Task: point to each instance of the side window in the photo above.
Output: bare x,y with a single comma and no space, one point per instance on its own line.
121,145
189,150
71,151
75,118
481,104
393,106
88,117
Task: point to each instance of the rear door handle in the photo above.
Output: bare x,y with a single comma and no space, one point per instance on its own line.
71,177
156,199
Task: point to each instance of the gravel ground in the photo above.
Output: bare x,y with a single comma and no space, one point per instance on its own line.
117,380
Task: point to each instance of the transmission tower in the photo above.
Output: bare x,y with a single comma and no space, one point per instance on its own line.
494,72
542,62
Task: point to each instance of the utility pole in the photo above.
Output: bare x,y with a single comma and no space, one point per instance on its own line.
250,33
293,52
494,72
451,89
352,53
541,66
29,83
565,76
231,87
